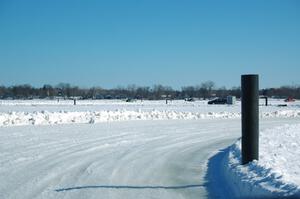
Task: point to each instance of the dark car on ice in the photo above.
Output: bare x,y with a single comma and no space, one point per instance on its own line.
218,101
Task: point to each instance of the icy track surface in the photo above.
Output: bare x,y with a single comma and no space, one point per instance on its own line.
133,159
144,159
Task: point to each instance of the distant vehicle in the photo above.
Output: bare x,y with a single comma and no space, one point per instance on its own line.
282,105
130,100
289,99
189,99
218,101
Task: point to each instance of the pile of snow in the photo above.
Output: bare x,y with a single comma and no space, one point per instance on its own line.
66,117
277,173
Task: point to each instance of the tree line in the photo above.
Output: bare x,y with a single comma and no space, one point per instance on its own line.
204,90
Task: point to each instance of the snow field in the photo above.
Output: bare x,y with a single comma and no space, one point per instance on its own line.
49,112
146,105
155,150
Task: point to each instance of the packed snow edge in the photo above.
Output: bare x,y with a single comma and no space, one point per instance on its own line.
276,174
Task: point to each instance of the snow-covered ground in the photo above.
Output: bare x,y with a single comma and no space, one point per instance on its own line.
113,105
45,112
276,173
51,149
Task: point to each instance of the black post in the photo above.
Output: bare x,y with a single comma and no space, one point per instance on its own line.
249,118
266,101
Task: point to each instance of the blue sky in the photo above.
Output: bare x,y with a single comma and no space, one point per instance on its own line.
145,42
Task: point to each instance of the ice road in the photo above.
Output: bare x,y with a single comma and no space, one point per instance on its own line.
132,159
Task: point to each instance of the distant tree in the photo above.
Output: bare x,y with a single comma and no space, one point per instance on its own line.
22,91
132,89
2,91
188,91
235,91
159,91
47,91
206,89
63,89
222,92
142,92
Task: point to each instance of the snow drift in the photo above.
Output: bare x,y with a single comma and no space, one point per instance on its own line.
277,171
67,117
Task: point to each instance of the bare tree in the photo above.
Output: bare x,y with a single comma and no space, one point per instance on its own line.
206,89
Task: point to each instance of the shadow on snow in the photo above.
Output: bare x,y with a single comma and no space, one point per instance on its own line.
129,187
217,185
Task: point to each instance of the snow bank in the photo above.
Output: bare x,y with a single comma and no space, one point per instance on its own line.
66,117
277,173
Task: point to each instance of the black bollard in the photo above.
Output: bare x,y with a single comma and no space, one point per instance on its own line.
250,123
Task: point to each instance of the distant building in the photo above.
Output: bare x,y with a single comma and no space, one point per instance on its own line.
231,100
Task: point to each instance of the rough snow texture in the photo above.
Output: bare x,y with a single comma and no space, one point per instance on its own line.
66,117
120,160
277,171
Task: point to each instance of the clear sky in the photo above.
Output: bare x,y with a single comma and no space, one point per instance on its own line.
145,42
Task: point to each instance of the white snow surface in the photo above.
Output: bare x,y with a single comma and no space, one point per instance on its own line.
144,149
48,112
66,117
132,159
277,173
146,105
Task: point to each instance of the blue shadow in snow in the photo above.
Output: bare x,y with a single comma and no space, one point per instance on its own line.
216,184
128,187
